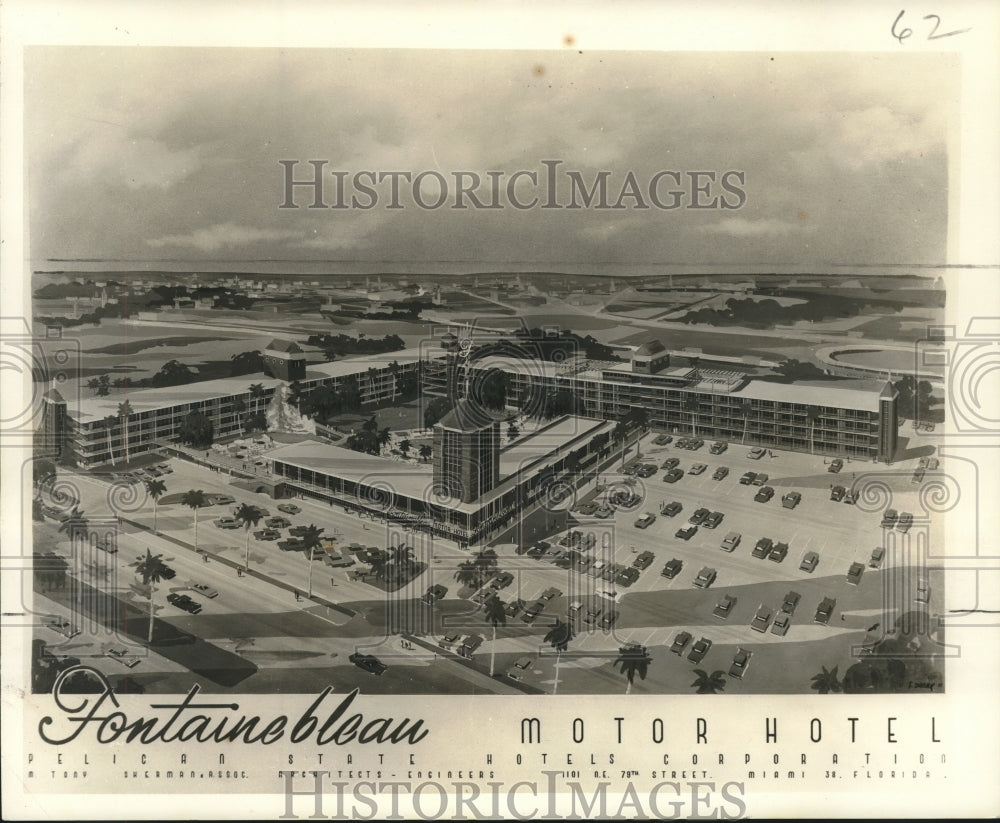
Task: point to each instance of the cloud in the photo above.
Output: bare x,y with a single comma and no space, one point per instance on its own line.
224,235
741,227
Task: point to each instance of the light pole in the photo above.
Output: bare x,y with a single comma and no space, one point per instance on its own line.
312,550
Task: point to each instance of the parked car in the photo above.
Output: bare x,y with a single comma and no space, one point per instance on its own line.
520,668
854,573
672,569
731,541
184,602
759,479
593,612
761,619
835,465
121,654
627,576
851,497
662,439
686,532
778,552
608,620
205,590
756,453
697,468
64,627
469,645
747,478
369,663
227,523
763,548
106,546
449,641
670,463
718,447
705,578
532,611
645,521
646,470
837,493
905,522
923,594
932,464
720,473
267,534
878,555
167,572
673,476
222,499
699,516
589,507
513,607
790,602
713,520
724,608
551,593
918,475
781,623
277,522
164,468
289,508
699,650
604,512
292,544
502,581
791,500
764,495
741,662
809,562
434,593
644,560
680,642
824,611
889,518
671,509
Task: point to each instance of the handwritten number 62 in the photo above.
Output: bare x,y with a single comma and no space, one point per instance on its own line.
902,33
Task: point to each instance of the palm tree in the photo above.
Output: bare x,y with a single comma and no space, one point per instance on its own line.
155,488
486,562
249,516
468,574
195,498
310,538
75,523
383,437
295,393
559,637
709,683
745,408
399,562
151,568
826,681
633,660
124,410
426,452
239,407
691,405
256,393
497,616
108,422
405,446
812,415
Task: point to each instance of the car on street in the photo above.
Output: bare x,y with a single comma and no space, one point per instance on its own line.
520,668
837,493
434,593
644,560
604,512
671,509
673,475
106,546
627,576
289,508
724,608
697,468
720,473
791,499
538,549
835,465
854,573
763,548
686,532
513,607
731,541
932,464
699,516
824,611
646,470
718,447
267,534
502,580
756,453
670,463
184,602
878,555
809,562
747,478
889,518
705,578
699,650
764,495
778,552
851,497
469,645
680,642
588,508
608,620
551,593
790,602
781,623
205,590
277,522
918,475
121,654
369,662
645,521
449,641
759,479
905,522
713,520
662,439
222,499
64,627
167,573
741,662
672,568
761,619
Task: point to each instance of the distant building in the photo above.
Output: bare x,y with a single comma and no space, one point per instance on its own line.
284,360
54,424
650,358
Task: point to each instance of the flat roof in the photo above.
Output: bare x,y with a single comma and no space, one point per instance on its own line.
354,365
846,394
540,443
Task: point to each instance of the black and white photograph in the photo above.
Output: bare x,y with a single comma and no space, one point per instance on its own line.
461,385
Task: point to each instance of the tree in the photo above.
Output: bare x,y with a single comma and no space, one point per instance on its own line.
101,386
256,396
74,524
826,681
559,637
197,430
398,563
246,362
709,683
155,488
497,616
746,408
310,538
383,437
426,452
195,498
812,415
295,393
633,660
468,574
151,569
239,408
108,422
249,516
173,373
691,405
405,446
124,411
493,389
513,432
435,409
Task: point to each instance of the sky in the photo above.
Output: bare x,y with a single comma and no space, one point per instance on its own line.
171,154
